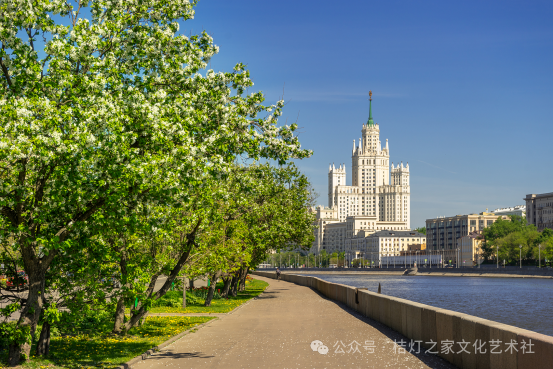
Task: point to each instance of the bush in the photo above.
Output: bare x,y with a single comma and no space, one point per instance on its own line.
195,296
202,293
170,299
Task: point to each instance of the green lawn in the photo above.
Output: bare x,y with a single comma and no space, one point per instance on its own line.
108,351
253,288
103,350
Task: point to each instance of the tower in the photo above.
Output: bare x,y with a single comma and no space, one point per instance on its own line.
369,162
402,193
336,177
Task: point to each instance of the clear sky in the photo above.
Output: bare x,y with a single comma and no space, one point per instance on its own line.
462,90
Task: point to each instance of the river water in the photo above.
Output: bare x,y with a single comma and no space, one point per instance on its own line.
523,302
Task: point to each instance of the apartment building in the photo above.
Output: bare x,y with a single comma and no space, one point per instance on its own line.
539,210
444,233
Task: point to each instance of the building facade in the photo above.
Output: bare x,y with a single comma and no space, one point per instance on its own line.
381,244
471,250
539,210
443,235
378,198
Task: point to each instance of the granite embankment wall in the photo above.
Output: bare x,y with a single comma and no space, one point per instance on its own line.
428,324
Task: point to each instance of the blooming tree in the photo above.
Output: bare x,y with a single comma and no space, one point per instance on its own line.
103,102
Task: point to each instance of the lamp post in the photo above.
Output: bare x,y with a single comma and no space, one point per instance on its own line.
539,257
457,259
496,251
520,246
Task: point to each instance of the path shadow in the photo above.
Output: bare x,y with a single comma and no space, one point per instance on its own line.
180,355
266,296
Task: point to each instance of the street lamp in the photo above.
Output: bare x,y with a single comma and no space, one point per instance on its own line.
520,246
458,257
539,257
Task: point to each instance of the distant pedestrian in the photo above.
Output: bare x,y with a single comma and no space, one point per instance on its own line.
278,273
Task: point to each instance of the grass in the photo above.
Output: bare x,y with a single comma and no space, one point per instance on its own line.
253,288
103,350
109,351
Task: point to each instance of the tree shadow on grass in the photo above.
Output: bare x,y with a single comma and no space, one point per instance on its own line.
85,354
109,351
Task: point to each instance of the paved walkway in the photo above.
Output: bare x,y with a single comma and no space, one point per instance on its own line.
276,331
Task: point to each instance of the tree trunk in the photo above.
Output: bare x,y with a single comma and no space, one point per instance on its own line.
30,313
140,311
191,283
119,315
120,309
43,346
234,286
183,292
226,286
212,287
243,276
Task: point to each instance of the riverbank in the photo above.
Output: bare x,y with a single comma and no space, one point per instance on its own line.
442,272
521,302
462,339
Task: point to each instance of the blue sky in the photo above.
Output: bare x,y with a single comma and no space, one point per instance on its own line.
462,90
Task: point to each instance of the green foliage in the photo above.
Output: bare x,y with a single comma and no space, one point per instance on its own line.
253,288
119,152
201,293
174,298
12,333
516,240
421,230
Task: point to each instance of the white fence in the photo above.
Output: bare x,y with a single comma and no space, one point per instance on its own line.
410,260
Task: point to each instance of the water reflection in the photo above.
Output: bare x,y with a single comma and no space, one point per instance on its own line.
526,303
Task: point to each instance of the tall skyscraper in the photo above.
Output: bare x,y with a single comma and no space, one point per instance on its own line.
379,197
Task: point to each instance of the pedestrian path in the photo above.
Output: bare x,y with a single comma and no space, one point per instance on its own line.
189,314
278,330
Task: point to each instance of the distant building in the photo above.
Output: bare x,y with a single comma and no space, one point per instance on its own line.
443,234
471,249
378,199
384,243
519,210
539,210
324,217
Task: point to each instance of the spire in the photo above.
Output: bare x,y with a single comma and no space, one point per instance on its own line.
370,122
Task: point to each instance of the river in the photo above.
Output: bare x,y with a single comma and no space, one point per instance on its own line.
523,302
